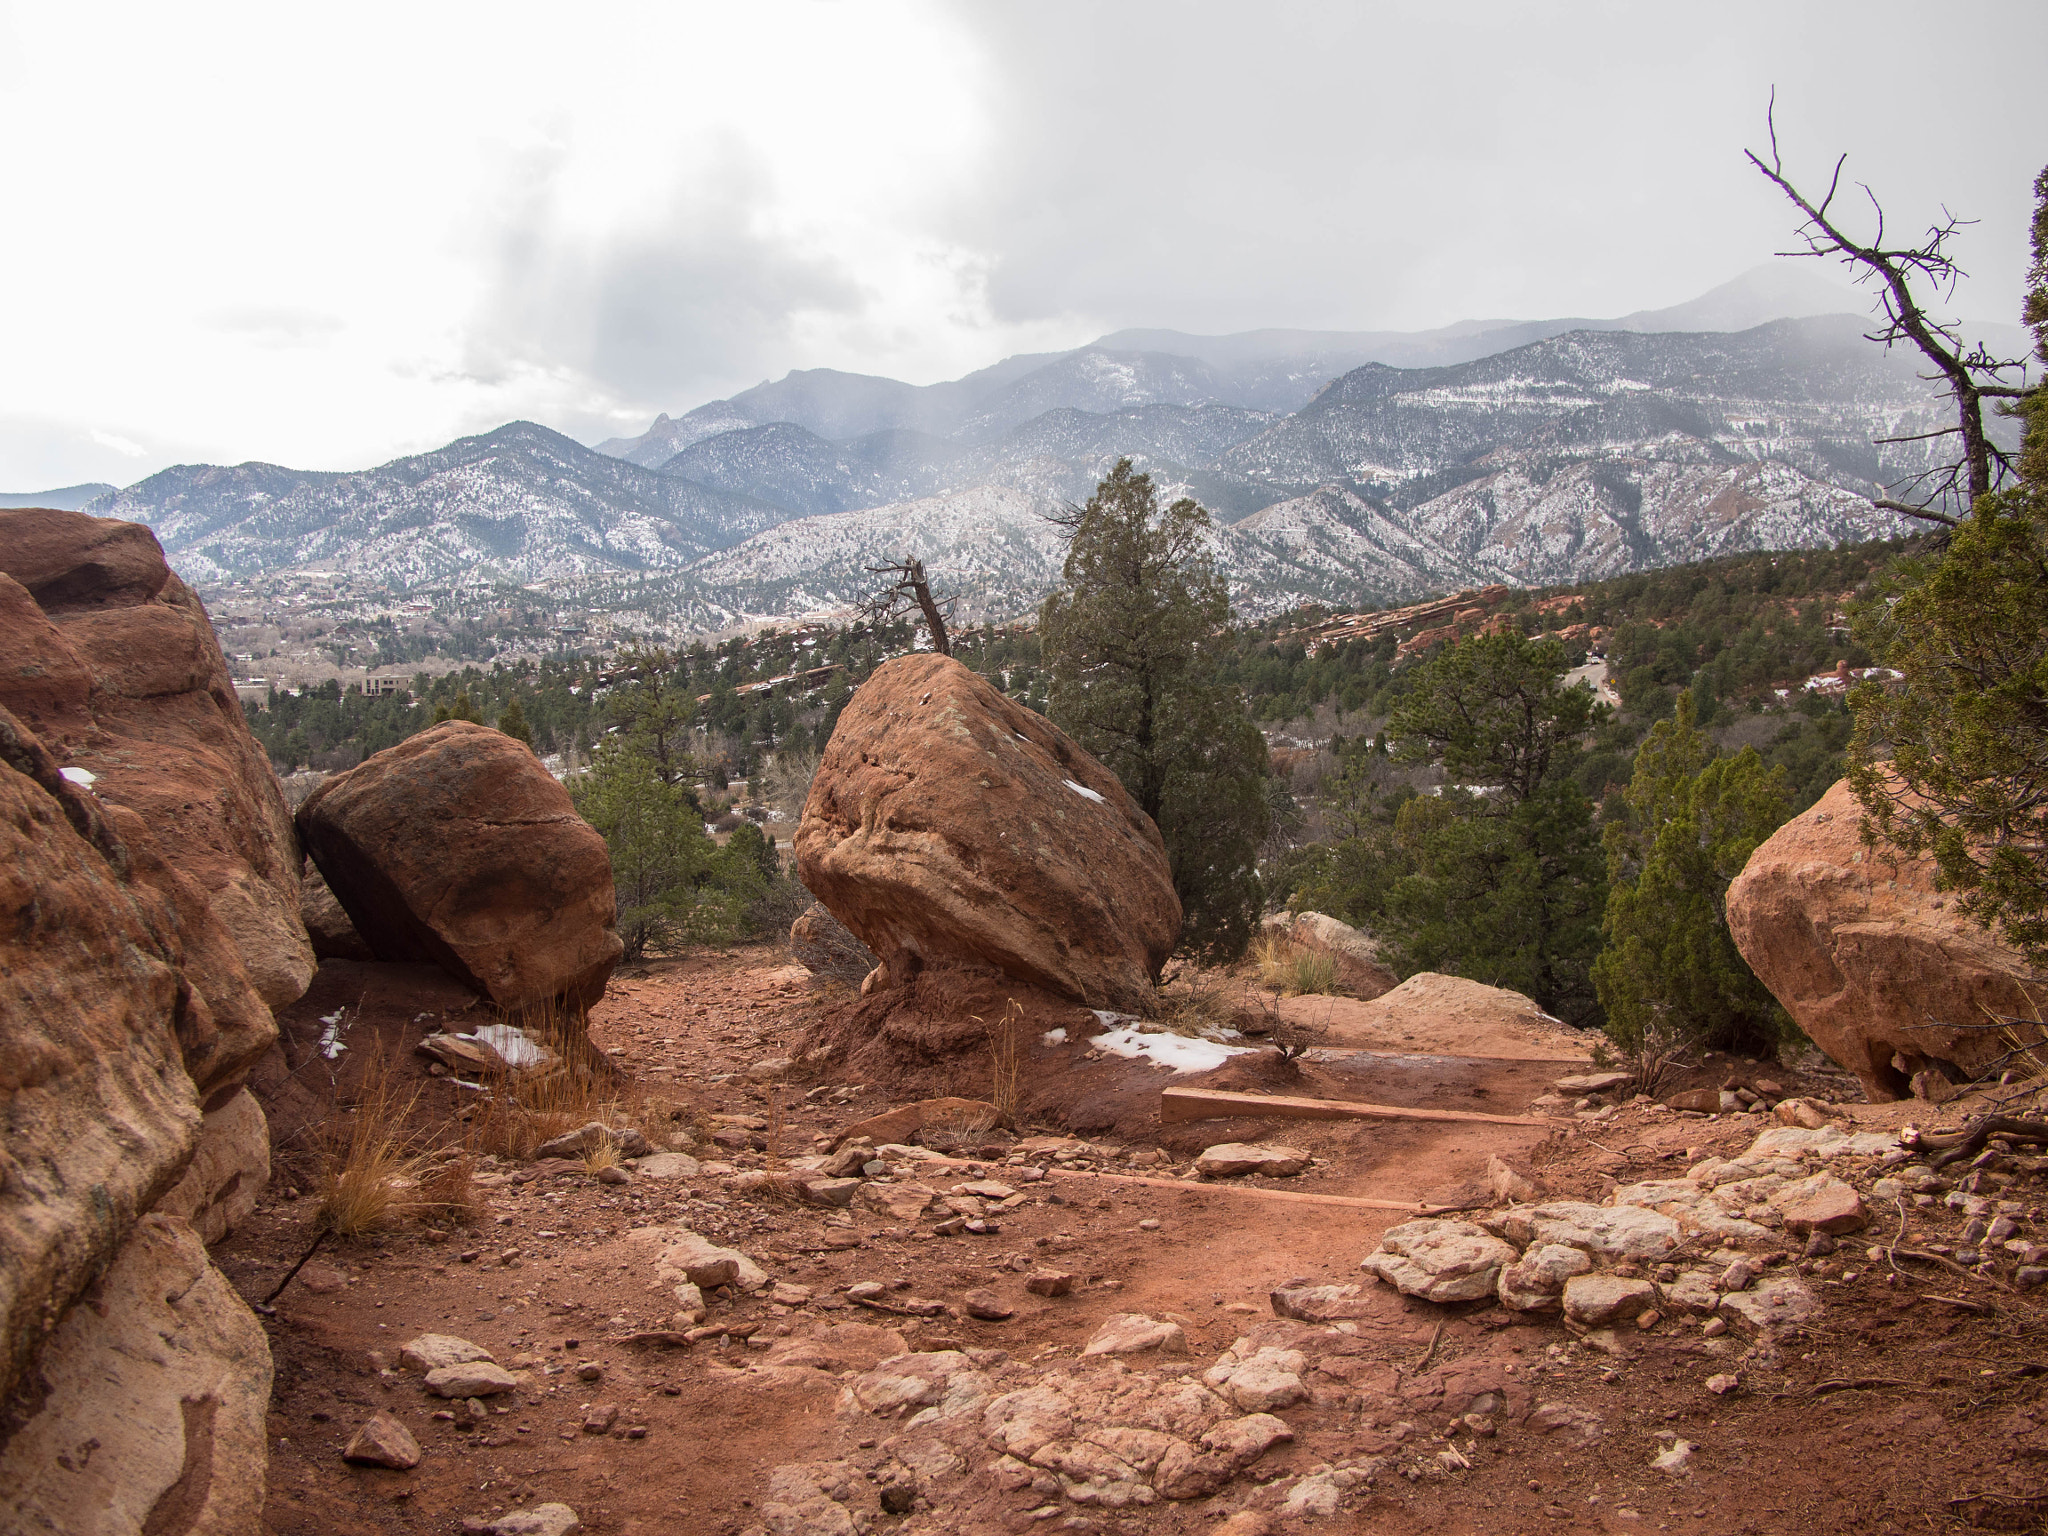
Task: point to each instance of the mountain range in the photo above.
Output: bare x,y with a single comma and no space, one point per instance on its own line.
1339,467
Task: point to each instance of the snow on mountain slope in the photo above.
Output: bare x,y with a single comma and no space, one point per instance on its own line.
522,501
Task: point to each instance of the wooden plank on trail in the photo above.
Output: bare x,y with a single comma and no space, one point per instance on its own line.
1177,1104
1300,1197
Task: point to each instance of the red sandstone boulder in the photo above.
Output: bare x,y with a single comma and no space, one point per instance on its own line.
458,848
1866,955
948,824
111,661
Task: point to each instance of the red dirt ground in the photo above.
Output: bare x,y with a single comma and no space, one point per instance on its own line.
1893,1413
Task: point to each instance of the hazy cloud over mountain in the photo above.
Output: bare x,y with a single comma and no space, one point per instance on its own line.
327,238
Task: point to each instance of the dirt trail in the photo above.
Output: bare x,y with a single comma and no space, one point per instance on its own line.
549,1279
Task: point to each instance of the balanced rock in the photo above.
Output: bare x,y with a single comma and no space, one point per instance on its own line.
949,823
1440,1260
1865,952
457,847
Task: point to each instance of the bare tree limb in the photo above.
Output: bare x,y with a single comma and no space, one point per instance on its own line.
1910,510
1971,374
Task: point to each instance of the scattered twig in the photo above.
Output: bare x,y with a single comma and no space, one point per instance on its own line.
1962,1302
1847,1384
1981,1131
319,1237
1429,1354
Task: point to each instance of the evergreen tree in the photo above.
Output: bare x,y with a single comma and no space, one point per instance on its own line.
1131,642
1670,972
461,709
1505,882
512,722
673,883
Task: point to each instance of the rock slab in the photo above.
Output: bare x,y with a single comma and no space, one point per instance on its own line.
457,848
1863,951
949,823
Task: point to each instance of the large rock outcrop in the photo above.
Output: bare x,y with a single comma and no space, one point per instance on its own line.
948,824
457,848
136,1381
111,661
1867,956
150,1401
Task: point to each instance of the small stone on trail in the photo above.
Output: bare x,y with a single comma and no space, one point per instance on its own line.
1722,1385
590,1370
1714,1327
1234,1159
321,1279
1674,1459
1049,1282
1593,1082
600,1418
1440,1260
1130,1333
1149,1224
477,1378
431,1351
987,1306
541,1520
383,1442
614,1176
1597,1300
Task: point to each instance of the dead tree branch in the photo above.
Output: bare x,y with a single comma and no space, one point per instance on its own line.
1970,373
908,591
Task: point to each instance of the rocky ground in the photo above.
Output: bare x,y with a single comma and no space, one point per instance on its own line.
1075,1333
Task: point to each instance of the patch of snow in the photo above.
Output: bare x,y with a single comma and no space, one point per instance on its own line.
1084,792
78,775
1054,1036
517,1047
1175,1051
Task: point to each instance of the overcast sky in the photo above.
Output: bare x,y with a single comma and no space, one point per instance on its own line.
326,236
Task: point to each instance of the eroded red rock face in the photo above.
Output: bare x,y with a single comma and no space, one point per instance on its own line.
456,847
111,661
948,824
1866,955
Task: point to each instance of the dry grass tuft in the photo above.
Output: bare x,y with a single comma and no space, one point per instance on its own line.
960,1130
601,1154
1294,969
375,1170
1198,1002
525,1106
777,1189
1005,1066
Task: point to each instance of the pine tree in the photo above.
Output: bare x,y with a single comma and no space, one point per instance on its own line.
1131,642
1669,973
512,722
1504,881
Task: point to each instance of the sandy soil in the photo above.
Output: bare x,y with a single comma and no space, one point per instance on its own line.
1893,1412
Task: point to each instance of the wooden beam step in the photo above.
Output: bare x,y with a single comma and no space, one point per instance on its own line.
1178,1104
